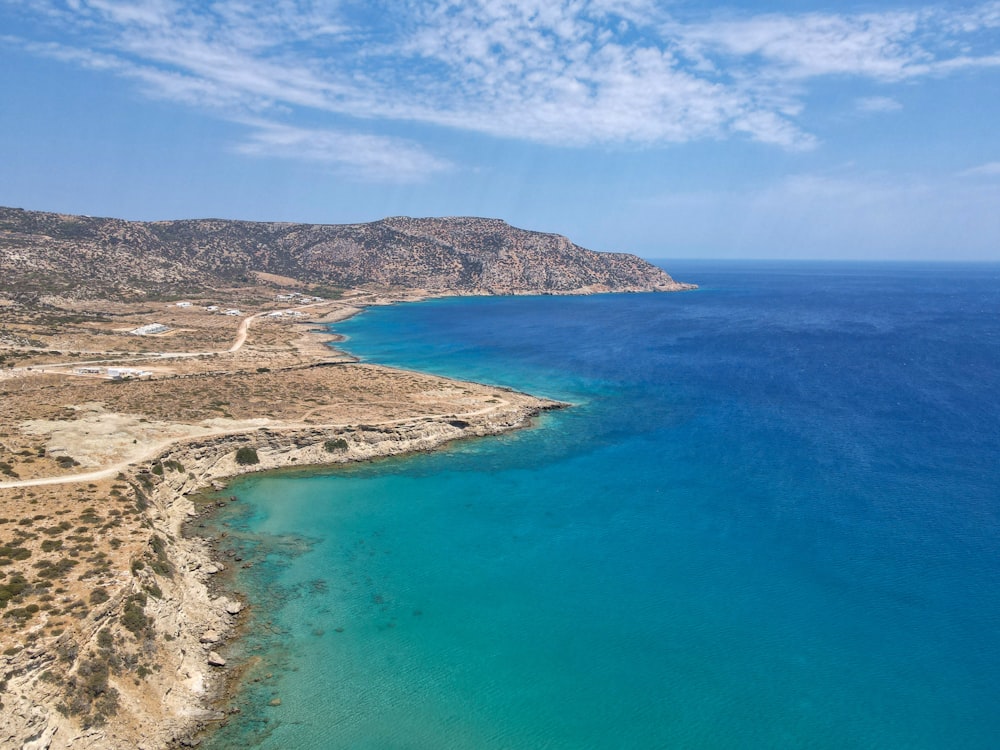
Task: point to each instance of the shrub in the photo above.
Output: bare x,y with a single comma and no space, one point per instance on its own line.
332,446
55,570
134,617
247,456
13,588
105,639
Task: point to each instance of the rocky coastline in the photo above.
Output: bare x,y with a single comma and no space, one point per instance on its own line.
191,618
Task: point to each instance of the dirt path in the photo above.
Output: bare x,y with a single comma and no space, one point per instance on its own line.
159,447
69,368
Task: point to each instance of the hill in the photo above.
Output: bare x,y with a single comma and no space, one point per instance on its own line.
87,257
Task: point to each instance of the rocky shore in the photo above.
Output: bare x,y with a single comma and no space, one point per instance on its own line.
190,621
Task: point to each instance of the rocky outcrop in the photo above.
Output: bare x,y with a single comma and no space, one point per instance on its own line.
82,256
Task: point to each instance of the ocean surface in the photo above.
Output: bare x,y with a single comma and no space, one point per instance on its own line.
770,520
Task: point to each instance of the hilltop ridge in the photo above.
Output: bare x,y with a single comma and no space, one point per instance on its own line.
88,257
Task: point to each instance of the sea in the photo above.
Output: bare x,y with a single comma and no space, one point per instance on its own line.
770,518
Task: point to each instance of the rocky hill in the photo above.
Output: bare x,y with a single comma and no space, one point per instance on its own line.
82,256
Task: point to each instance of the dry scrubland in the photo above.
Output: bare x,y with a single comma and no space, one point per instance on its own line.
110,624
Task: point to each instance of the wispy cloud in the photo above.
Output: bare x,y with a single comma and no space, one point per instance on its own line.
990,169
842,215
372,157
565,72
875,104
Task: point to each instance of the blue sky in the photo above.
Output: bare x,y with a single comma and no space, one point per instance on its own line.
668,129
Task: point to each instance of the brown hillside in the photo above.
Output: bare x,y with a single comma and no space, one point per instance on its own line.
86,257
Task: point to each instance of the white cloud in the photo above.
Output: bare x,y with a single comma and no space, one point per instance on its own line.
885,46
373,157
991,169
564,72
878,104
880,46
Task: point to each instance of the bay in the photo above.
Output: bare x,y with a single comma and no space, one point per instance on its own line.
769,519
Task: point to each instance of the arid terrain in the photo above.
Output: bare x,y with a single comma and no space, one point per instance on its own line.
123,405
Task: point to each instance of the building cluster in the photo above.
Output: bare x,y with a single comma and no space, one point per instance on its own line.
298,297
211,309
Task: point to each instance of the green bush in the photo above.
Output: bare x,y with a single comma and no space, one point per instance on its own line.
332,446
134,617
247,456
13,588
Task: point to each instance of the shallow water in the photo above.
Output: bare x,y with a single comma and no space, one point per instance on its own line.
770,520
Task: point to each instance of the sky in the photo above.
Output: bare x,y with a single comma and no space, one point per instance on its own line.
807,130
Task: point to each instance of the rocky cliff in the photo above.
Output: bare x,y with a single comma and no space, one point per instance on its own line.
82,256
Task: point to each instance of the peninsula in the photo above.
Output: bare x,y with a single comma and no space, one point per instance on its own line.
142,363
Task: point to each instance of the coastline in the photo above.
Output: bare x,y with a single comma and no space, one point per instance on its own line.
200,619
191,618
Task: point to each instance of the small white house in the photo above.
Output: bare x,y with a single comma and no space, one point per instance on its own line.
232,312
212,308
150,329
120,373
184,304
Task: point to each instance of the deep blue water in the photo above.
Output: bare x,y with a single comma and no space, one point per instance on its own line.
770,520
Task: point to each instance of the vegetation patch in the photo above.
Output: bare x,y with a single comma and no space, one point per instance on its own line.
15,553
134,617
335,445
12,589
247,456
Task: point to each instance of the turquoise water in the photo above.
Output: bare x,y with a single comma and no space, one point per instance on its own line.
771,520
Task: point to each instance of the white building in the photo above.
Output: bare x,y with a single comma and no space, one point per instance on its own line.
150,329
120,373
